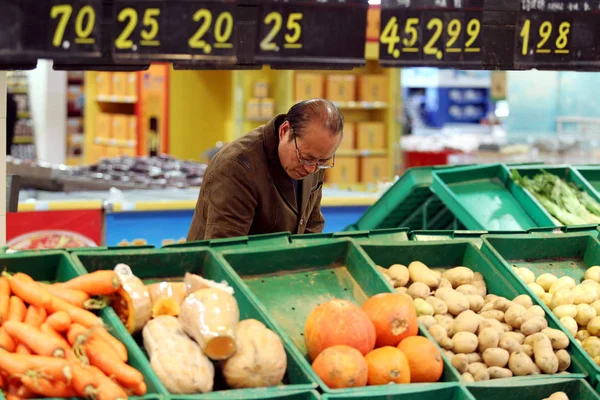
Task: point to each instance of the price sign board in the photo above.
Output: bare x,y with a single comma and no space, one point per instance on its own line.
312,32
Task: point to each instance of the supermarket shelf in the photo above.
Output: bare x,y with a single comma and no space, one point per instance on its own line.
365,152
61,205
23,114
117,99
115,142
23,140
361,105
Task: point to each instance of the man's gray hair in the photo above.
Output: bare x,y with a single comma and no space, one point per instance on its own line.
301,114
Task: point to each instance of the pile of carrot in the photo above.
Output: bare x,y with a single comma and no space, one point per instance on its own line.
51,346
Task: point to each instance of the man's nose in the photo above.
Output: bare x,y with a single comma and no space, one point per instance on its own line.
310,168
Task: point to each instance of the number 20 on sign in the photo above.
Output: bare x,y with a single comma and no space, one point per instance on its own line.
430,36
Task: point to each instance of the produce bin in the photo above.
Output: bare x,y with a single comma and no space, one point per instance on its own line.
425,236
437,392
57,266
449,254
591,173
268,239
486,198
297,278
376,235
562,255
575,389
157,265
263,394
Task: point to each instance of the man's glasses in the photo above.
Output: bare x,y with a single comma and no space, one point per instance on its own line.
317,164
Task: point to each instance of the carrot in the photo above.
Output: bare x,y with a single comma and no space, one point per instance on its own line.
84,380
74,332
140,389
23,286
75,297
6,341
40,343
4,298
103,356
16,309
69,353
17,365
103,282
35,316
22,349
107,389
60,321
120,349
79,315
46,387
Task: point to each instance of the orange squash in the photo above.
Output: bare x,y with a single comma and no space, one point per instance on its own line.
387,365
424,359
341,367
338,322
394,316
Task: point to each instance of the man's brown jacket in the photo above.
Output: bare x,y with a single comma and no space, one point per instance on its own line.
245,191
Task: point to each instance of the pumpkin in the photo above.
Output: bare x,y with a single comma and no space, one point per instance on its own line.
195,282
338,322
132,301
260,359
167,290
394,316
341,367
210,317
387,365
424,359
175,358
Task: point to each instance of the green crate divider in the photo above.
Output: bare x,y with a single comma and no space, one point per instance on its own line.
425,236
502,389
567,254
591,173
486,198
263,394
310,238
298,278
267,239
151,266
438,391
57,266
449,254
592,229
375,235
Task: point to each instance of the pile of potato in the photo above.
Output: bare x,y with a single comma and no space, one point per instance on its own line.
484,335
576,305
557,396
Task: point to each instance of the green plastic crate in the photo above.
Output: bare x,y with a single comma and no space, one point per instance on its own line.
502,389
486,198
268,239
264,394
376,235
287,283
57,266
152,265
591,173
390,392
471,236
449,254
566,254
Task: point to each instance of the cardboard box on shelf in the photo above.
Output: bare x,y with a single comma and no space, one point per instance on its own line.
345,171
341,88
104,125
132,84
349,141
120,126
131,152
498,91
371,136
374,169
261,89
267,108
132,133
103,84
253,109
119,84
113,151
308,86
373,88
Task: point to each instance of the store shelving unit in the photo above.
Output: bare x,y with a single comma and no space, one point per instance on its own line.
75,126
24,138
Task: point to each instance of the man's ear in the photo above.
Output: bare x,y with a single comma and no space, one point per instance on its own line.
284,129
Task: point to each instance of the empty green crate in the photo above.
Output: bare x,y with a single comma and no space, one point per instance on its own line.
575,389
57,266
449,254
268,239
561,255
591,173
287,283
263,394
431,392
156,265
375,235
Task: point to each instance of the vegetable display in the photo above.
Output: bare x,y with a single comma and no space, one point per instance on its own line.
563,200
485,336
52,346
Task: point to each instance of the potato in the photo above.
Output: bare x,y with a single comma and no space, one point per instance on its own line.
585,313
481,375
517,336
489,306
567,310
536,370
427,321
585,294
467,289
520,364
419,290
596,306
467,377
481,287
474,357
467,321
589,282
456,302
533,325
488,338
597,360
543,354
509,344
444,283
564,283
448,353
402,290
441,337
534,311
458,276
582,334
475,302
491,323
558,338
464,342
593,273
561,298
507,327
593,327
439,307
399,274
526,275
477,277
419,272
502,304
547,298
523,300
447,322
569,324
423,307
564,360
493,314
514,315
490,298
536,289
558,396
475,367
498,373
527,349
460,362
546,280
496,357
